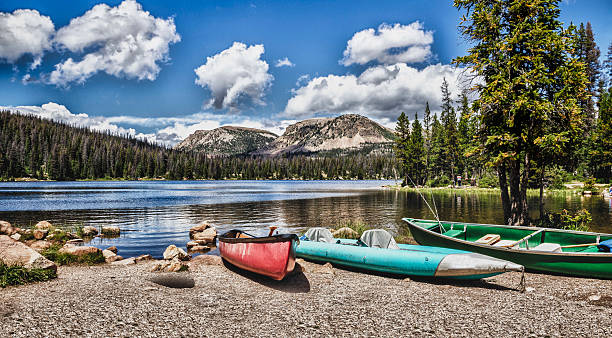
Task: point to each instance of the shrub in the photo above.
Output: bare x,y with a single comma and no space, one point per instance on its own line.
358,226
488,181
577,221
440,181
589,184
17,275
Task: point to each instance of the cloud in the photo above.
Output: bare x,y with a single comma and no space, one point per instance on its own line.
381,92
237,76
25,31
284,63
162,130
389,45
125,41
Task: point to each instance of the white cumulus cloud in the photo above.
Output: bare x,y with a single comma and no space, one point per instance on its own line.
284,63
25,31
235,77
125,41
389,45
382,92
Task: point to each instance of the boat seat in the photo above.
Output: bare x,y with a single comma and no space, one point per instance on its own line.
378,238
548,247
454,233
505,243
320,235
489,239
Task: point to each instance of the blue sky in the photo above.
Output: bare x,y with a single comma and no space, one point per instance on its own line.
155,93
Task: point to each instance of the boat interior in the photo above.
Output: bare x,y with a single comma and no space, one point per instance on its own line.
542,239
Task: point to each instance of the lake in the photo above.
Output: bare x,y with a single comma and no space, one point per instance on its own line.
155,214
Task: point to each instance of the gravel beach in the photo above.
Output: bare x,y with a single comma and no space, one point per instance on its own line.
112,300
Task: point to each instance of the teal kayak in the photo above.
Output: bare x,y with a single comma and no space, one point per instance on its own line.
403,259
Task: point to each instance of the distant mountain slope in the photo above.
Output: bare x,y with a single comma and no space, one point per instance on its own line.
344,134
227,141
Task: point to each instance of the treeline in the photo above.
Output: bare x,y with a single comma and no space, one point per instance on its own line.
41,149
436,150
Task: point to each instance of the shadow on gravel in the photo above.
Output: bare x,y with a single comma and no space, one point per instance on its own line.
295,282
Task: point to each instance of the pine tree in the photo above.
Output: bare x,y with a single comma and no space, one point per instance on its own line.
402,145
417,152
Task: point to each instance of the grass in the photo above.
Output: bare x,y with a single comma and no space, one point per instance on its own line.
480,190
17,275
61,258
356,225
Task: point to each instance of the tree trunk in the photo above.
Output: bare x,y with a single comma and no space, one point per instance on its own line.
515,192
503,185
524,218
542,192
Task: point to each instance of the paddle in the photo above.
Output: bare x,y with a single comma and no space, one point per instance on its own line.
272,228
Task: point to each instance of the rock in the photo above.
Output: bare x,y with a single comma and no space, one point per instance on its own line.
108,254
78,250
113,249
143,258
6,228
112,259
17,253
40,246
172,252
160,266
529,289
199,248
176,266
345,232
74,241
89,231
43,225
199,228
50,237
16,236
128,261
203,260
176,281
207,235
594,298
40,234
111,230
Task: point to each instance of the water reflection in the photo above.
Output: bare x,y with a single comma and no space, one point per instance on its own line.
151,218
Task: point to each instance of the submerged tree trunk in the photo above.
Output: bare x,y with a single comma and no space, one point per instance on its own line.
503,185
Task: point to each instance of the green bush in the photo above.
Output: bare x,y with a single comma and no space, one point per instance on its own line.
488,181
440,181
357,225
589,184
577,221
17,275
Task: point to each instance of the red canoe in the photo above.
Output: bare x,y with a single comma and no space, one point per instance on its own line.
272,256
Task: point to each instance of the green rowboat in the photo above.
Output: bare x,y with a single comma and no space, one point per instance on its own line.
540,249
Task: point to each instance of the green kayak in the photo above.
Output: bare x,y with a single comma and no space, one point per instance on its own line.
540,249
377,251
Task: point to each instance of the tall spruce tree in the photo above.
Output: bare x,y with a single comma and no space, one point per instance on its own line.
451,141
402,145
530,92
417,152
427,142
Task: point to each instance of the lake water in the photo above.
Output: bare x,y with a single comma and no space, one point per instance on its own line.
155,214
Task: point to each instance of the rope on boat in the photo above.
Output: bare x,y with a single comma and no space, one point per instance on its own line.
424,199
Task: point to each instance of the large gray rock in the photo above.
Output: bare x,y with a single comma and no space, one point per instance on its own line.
89,231
207,235
7,229
40,246
17,253
78,250
43,225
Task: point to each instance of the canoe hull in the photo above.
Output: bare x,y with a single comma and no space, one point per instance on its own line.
410,260
274,257
597,265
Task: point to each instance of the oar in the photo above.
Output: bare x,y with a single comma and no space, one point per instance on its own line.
578,245
272,228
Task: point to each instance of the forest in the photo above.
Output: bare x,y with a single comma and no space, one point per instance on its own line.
35,148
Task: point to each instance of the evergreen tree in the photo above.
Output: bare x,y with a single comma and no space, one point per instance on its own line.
402,145
417,152
427,125
451,141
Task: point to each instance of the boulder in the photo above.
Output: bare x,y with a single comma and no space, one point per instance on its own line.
17,253
40,246
199,248
143,258
199,228
6,228
43,225
111,230
40,234
89,231
74,241
207,235
113,249
112,259
16,236
78,250
345,232
172,252
176,266
108,254
128,261
201,261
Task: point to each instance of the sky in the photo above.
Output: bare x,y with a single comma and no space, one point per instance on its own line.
161,70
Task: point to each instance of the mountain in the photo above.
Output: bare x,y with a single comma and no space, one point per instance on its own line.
350,133
227,141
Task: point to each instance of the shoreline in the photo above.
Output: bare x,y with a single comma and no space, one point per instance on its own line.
110,300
